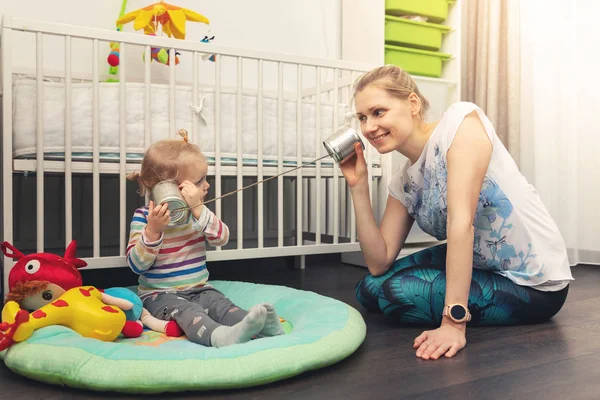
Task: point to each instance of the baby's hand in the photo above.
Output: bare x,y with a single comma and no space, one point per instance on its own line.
192,194
158,217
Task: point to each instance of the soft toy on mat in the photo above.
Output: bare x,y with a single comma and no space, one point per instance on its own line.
46,289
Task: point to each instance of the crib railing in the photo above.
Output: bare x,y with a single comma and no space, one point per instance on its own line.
339,75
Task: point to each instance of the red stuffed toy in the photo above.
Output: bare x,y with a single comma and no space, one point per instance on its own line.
48,288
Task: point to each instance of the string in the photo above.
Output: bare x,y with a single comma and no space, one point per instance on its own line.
249,186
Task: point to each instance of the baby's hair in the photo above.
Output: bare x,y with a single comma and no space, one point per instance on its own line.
164,160
393,80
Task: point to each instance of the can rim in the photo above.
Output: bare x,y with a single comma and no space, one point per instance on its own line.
333,153
163,183
171,181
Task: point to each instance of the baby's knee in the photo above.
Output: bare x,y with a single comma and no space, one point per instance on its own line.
197,330
222,306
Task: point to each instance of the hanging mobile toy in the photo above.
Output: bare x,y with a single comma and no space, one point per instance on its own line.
210,57
170,18
158,17
160,54
114,55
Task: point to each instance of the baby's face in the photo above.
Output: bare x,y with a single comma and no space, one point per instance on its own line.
196,174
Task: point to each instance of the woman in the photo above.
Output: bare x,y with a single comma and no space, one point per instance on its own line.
504,262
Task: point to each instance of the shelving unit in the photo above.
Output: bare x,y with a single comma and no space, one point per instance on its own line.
363,40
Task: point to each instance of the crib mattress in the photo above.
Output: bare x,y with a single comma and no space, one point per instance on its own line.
24,121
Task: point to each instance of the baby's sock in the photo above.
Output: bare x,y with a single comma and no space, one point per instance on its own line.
241,332
272,324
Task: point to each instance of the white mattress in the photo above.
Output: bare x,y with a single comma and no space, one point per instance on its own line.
24,121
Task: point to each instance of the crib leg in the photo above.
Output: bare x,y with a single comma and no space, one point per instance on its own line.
300,262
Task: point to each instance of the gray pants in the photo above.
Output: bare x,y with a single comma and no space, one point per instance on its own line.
197,311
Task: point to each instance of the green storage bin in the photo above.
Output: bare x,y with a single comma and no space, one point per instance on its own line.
405,32
416,61
434,10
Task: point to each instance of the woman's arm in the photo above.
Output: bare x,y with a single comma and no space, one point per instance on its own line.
467,161
380,245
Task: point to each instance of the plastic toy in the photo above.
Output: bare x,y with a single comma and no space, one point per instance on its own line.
210,57
114,55
171,18
161,55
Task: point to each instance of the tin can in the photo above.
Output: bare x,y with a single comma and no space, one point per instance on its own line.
168,192
340,145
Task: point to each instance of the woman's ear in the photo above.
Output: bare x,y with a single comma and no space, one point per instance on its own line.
415,104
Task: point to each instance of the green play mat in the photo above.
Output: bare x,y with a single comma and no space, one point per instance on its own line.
321,332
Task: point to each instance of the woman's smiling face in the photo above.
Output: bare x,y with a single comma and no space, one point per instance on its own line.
386,121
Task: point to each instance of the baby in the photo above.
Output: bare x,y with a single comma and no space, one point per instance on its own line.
171,260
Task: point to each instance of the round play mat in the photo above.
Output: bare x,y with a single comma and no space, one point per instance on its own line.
320,331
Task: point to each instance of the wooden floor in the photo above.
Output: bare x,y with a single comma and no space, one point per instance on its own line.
556,360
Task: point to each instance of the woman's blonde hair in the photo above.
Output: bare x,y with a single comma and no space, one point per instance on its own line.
164,160
393,80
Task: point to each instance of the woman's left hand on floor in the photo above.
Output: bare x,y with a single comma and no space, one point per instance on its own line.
446,340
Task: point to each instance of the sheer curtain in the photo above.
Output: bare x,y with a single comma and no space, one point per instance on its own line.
560,116
491,66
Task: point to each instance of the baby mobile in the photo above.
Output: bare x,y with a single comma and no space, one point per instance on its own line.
156,18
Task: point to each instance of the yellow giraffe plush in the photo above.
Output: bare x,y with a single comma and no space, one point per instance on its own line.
80,308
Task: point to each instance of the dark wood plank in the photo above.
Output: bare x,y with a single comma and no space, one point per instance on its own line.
497,363
573,379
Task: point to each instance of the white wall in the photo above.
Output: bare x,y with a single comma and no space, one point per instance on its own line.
559,117
363,31
308,27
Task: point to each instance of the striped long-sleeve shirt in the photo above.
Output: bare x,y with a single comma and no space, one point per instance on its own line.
177,260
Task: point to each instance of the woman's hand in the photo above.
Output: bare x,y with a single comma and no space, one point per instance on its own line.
158,217
193,196
355,169
446,340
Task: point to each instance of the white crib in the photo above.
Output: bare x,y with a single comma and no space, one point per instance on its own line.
253,113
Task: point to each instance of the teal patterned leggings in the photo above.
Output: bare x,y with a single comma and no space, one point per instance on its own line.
413,292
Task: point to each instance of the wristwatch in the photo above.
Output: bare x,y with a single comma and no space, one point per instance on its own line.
457,313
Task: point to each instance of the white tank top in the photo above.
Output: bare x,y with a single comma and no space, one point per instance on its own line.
514,233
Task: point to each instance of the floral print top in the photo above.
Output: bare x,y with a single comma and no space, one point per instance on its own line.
515,235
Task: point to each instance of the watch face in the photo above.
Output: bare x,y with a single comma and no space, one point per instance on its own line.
458,312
